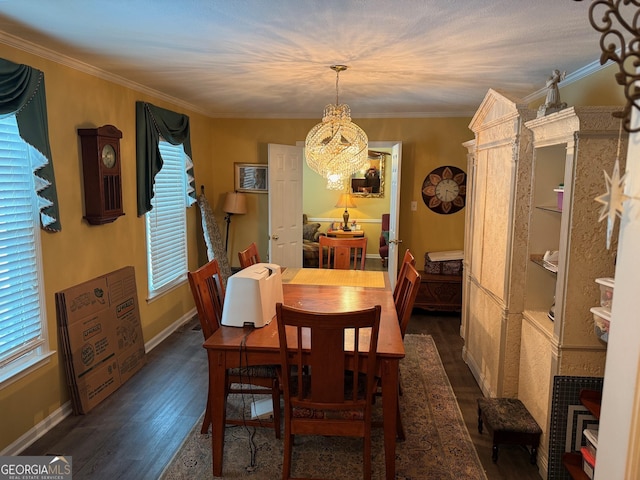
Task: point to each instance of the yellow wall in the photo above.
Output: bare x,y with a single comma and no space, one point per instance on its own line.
426,144
81,252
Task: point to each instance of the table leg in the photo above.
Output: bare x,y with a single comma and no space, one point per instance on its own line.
389,410
218,398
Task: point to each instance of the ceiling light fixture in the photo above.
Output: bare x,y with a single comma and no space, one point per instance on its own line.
336,147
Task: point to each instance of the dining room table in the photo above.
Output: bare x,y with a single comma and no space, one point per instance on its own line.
321,290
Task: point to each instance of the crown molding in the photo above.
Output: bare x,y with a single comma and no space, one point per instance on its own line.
573,77
83,67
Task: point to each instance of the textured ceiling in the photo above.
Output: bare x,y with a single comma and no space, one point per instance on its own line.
271,58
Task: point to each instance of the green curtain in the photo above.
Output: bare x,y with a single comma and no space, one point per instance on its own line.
152,123
22,92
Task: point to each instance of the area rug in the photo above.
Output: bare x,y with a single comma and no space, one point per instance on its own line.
437,445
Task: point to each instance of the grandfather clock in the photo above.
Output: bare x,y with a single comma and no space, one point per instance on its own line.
101,173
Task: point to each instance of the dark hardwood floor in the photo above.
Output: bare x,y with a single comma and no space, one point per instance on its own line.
134,433
513,461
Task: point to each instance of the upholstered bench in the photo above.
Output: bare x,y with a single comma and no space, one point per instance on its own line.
510,422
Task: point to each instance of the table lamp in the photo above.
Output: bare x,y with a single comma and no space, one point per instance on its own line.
234,203
346,202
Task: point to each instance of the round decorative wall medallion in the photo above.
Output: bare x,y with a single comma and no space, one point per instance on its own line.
444,190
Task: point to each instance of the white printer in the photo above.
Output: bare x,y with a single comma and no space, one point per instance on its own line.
251,296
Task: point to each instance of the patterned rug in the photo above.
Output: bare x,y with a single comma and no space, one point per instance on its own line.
437,445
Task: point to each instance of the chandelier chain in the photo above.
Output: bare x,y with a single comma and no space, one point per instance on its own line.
338,69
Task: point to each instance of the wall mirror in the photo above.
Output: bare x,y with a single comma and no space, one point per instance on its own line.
369,182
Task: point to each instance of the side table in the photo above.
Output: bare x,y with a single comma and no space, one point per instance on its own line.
343,234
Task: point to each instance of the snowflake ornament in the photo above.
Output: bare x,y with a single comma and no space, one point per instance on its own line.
612,200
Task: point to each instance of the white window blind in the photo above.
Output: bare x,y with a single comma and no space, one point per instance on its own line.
166,222
22,319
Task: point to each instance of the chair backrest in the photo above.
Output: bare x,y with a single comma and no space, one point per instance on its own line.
316,349
409,285
385,222
249,256
340,251
408,258
208,293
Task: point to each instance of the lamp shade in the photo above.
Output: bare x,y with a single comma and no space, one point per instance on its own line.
235,203
345,201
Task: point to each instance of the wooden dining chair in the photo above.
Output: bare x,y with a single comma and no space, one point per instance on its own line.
341,251
404,297
408,291
408,258
328,390
208,293
249,256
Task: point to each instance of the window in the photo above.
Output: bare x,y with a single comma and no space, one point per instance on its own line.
23,325
166,222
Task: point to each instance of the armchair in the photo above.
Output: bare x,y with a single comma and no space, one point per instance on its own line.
310,236
384,239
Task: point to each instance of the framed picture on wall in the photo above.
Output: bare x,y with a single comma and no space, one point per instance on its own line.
252,177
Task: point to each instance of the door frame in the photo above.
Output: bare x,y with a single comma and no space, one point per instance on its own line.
394,191
394,217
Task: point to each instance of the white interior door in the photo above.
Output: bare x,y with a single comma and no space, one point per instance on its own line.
394,206
285,205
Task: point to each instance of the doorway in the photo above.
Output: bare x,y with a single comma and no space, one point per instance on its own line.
295,197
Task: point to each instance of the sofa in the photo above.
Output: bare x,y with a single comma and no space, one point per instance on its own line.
310,245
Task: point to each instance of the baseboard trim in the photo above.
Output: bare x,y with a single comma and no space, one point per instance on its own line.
475,371
37,431
33,434
159,338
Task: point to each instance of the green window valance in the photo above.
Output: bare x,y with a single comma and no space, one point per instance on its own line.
152,123
22,93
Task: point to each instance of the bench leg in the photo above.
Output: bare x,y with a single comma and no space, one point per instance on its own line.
494,455
534,454
479,420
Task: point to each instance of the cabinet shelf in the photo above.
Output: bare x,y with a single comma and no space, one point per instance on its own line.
538,260
540,318
573,463
591,399
549,208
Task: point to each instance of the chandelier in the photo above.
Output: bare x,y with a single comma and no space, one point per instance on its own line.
336,147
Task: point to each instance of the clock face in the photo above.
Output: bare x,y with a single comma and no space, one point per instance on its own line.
444,190
447,190
108,156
